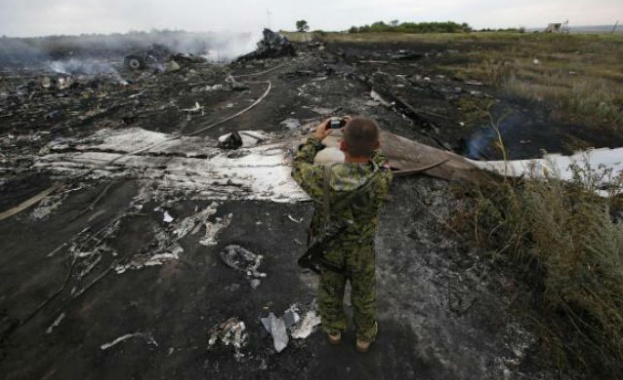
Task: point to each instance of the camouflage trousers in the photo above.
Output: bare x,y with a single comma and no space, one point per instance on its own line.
359,264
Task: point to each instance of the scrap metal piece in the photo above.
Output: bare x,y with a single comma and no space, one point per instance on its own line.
140,60
214,228
291,316
231,141
148,338
172,66
232,332
29,202
277,328
242,260
306,327
291,123
134,62
167,217
55,324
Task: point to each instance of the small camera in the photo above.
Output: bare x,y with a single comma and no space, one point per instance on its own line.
337,123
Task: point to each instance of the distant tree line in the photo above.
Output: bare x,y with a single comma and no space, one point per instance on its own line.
412,27
505,30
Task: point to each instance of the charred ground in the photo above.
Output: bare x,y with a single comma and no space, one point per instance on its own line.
445,312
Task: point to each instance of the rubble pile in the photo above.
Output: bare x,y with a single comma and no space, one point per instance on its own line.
159,58
272,45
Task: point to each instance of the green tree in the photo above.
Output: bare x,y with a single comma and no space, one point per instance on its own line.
302,26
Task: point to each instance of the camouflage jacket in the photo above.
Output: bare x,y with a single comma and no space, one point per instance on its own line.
360,214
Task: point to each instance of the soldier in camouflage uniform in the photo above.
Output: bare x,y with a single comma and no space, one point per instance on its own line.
366,173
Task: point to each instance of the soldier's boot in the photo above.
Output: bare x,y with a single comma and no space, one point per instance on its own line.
364,345
335,337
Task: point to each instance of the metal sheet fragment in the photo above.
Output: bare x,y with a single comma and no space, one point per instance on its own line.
147,337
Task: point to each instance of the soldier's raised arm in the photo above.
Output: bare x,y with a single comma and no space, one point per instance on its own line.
304,172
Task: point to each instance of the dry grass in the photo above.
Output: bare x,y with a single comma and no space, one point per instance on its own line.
591,101
565,236
571,249
579,77
448,39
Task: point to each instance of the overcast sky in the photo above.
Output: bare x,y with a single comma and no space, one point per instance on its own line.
45,17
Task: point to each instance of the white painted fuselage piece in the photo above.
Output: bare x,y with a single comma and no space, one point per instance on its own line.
260,169
188,164
603,166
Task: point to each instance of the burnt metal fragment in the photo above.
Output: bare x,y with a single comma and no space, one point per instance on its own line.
232,141
273,45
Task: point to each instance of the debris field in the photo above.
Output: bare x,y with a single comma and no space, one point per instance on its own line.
167,245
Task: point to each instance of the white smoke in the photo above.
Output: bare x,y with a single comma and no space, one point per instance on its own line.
226,48
85,68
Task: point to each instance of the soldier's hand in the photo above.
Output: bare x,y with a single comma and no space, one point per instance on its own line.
323,130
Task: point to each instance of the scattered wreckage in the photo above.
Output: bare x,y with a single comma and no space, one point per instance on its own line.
258,167
172,166
158,54
412,157
272,45
161,58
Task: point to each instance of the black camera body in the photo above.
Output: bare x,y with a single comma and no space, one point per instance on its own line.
337,123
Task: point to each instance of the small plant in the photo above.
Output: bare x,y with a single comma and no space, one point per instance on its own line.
497,71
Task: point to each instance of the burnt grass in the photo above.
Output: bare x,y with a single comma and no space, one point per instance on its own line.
445,311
